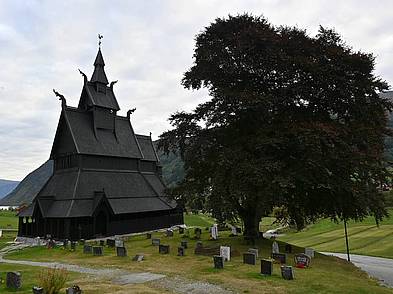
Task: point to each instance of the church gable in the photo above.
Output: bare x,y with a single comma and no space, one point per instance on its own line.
63,143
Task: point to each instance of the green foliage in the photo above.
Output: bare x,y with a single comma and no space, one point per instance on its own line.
52,280
292,120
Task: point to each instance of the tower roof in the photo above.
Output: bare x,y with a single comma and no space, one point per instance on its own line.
99,72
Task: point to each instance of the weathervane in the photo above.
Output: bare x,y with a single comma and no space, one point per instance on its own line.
99,40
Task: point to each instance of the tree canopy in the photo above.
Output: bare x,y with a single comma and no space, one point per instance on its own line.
291,120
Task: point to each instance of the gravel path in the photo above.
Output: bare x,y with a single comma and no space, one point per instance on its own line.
121,277
377,267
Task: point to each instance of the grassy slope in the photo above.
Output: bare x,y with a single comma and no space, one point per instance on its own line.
326,275
8,219
364,238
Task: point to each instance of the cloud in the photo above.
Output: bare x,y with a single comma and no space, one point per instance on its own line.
147,46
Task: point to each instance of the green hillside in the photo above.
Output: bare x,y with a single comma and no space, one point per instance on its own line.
364,237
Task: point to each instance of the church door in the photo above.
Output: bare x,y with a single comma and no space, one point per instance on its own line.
101,223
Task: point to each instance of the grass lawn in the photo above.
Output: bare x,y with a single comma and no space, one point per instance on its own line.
326,274
198,220
364,237
8,219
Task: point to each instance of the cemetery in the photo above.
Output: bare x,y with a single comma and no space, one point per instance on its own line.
230,262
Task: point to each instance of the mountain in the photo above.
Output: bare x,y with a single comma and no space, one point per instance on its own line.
7,186
28,188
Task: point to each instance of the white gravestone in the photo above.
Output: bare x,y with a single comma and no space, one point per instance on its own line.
1,233
214,232
234,230
119,243
309,252
275,248
225,252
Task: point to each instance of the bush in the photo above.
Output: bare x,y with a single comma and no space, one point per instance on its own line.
53,280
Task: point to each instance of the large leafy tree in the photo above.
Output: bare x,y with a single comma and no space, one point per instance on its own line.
292,120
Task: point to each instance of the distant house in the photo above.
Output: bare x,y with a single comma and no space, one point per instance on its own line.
106,179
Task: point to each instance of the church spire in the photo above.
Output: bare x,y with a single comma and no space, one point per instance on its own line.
99,73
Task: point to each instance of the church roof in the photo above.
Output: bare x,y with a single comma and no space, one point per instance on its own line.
147,147
71,193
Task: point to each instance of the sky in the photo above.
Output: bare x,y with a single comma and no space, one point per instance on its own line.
147,46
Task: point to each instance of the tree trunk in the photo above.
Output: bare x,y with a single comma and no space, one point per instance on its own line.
251,226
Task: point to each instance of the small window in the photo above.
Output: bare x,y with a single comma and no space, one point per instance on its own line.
101,88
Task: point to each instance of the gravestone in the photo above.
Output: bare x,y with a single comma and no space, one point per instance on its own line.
110,243
181,251
102,243
198,233
287,272
214,232
275,247
225,251
73,245
309,252
181,230
119,243
163,249
184,244
279,257
97,250
218,261
138,257
266,267
169,233
155,242
302,260
249,258
14,280
74,290
38,290
255,251
1,233
148,235
87,249
288,248
121,251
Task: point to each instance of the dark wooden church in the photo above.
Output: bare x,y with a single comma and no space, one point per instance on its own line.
106,179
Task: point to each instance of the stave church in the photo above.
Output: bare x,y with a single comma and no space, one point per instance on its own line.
106,179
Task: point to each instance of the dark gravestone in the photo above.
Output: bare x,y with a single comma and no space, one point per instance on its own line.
198,233
73,245
163,249
148,235
74,290
266,267
302,260
254,250
288,248
38,290
97,250
87,249
110,243
102,243
138,257
169,233
184,244
287,272
181,251
181,230
121,251
279,257
155,242
218,261
249,258
14,280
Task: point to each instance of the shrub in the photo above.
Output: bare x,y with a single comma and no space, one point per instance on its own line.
52,280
